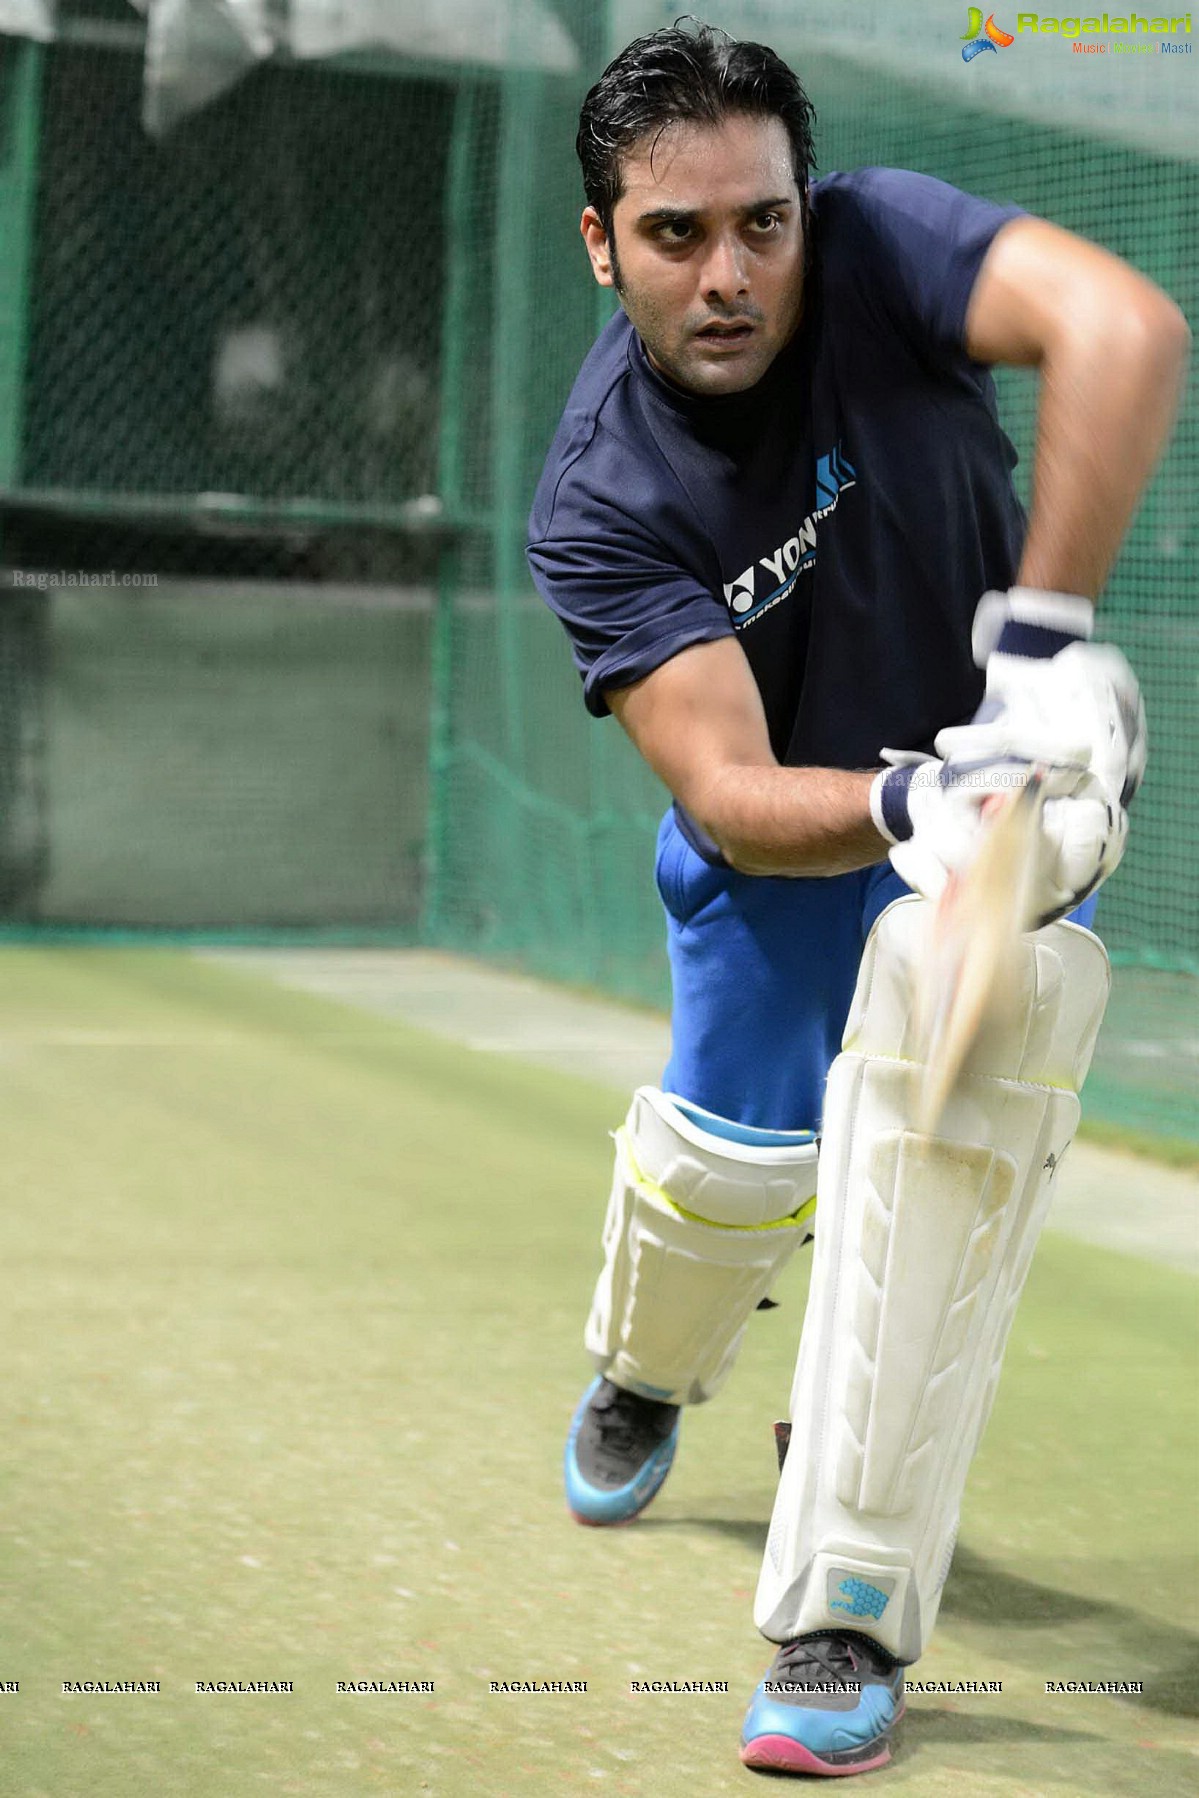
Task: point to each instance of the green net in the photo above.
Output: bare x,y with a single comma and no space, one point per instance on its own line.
230,757
553,818
296,355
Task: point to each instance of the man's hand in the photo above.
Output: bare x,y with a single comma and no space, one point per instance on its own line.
1055,700
937,816
1051,696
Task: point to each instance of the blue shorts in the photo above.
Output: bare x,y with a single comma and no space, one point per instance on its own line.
763,971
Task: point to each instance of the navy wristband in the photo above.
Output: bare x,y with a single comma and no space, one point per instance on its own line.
893,801
1033,641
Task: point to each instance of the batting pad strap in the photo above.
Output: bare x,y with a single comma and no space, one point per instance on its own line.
699,1226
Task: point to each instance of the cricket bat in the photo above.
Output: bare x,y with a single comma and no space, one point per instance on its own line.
972,943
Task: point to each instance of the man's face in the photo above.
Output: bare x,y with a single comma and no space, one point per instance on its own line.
711,251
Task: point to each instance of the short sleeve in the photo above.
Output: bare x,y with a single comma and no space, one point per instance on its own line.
626,604
919,243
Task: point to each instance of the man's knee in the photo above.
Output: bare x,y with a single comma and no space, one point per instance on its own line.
704,1214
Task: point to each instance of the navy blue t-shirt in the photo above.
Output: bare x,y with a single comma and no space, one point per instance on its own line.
842,518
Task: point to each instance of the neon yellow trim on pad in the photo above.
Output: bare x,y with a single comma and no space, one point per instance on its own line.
692,1217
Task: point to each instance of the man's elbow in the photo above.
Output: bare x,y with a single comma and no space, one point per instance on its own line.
1161,334
1176,338
1161,350
745,858
1148,330
737,848
722,806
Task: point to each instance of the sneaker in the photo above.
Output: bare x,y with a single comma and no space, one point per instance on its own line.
618,1452
827,1705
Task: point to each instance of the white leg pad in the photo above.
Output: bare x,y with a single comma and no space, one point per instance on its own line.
699,1227
922,1251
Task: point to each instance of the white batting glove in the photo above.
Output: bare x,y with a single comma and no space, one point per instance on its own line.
1052,696
932,815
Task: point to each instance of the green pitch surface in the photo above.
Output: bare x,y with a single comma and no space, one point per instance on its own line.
296,1297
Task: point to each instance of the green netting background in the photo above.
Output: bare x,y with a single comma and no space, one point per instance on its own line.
297,363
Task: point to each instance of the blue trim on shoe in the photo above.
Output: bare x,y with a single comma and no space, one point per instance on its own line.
593,1504
824,1731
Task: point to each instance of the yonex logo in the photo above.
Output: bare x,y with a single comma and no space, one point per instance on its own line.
739,594
867,1600
993,39
786,562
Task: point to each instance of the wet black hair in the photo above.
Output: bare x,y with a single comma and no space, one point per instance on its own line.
687,72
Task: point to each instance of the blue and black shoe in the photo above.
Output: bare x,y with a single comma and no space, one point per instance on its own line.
828,1705
618,1452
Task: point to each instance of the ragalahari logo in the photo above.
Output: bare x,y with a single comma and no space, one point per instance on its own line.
993,39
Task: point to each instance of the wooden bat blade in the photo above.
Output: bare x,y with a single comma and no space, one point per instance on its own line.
974,935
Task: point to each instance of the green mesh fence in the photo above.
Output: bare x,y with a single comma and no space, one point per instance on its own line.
548,853
296,360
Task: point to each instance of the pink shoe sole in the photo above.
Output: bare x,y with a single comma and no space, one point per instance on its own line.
782,1754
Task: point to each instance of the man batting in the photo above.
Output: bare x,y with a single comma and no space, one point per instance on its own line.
778,524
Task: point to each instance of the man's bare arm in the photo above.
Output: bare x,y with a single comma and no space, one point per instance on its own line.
1111,349
699,723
